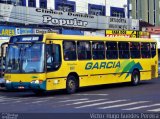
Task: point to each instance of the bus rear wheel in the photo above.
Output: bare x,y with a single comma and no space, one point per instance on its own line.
71,84
135,78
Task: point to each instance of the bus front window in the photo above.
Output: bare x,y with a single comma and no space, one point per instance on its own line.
25,58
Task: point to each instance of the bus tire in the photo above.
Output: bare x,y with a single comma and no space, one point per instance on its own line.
135,78
38,92
71,84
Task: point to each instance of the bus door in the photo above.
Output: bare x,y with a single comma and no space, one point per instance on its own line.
2,58
53,57
53,63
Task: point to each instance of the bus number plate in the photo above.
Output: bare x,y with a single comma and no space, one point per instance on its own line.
21,87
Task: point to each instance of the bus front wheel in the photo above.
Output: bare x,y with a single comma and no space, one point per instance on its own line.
71,84
38,92
135,78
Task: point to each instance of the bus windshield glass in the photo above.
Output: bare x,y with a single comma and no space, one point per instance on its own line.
25,58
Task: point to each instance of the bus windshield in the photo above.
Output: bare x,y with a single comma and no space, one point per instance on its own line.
25,58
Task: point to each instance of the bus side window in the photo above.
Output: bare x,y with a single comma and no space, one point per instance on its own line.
98,50
153,49
69,50
135,50
84,50
123,50
111,50
145,50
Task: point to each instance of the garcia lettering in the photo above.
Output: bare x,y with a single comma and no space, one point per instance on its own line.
102,65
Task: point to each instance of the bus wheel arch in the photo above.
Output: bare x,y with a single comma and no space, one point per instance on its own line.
72,83
135,77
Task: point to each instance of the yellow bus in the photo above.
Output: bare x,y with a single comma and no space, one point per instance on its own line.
53,61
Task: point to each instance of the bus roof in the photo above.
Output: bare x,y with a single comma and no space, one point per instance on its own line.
54,36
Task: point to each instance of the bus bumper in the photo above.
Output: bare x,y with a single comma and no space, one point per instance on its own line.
17,86
38,86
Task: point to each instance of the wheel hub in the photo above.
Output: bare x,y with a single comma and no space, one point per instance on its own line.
71,84
136,78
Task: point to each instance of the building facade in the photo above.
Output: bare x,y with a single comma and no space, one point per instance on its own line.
95,7
145,10
89,17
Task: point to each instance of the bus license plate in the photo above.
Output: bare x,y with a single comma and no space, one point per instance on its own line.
21,87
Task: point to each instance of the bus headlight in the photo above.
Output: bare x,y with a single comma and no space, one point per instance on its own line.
37,82
33,81
8,81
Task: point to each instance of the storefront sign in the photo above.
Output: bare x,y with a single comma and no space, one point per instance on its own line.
118,23
23,31
38,31
7,31
143,34
122,33
127,33
59,18
64,22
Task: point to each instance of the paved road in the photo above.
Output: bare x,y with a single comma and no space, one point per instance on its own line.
105,99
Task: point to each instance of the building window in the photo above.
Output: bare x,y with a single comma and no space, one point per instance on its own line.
96,10
22,2
43,3
14,2
117,12
7,1
66,6
31,3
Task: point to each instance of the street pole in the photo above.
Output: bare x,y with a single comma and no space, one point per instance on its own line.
125,10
